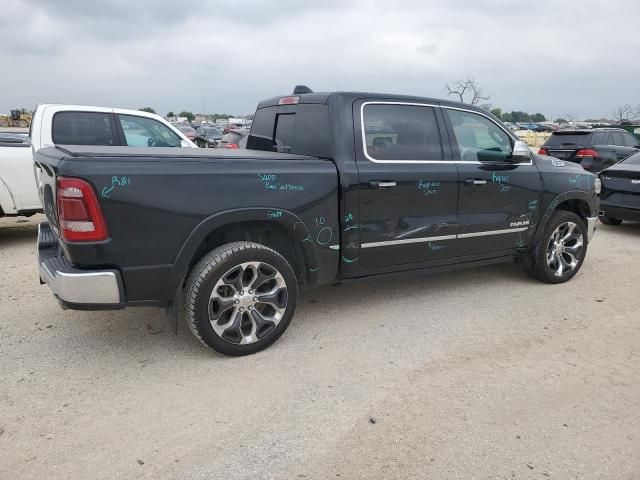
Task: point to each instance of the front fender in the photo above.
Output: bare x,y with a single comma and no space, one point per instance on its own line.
7,205
286,219
588,197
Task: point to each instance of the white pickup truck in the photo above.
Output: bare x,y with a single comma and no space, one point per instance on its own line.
73,125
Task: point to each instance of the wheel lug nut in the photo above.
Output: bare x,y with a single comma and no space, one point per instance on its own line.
250,307
237,302
255,299
250,292
241,292
241,309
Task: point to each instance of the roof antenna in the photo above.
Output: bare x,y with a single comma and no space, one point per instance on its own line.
300,89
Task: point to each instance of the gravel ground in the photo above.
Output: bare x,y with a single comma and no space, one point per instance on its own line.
479,373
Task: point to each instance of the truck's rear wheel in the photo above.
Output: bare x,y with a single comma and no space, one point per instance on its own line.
560,252
240,298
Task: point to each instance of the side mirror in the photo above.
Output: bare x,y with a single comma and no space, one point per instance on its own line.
521,152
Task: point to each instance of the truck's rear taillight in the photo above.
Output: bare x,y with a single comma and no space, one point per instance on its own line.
543,151
79,213
231,145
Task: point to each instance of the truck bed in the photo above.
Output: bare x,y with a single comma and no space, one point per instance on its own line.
157,201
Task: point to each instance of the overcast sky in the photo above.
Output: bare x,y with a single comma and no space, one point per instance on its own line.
556,57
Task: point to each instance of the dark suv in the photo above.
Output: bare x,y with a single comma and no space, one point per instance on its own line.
593,149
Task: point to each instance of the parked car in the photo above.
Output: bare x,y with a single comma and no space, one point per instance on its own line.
236,138
593,149
620,197
73,125
187,130
228,239
207,136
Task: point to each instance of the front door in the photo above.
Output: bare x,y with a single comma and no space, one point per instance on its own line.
408,185
498,199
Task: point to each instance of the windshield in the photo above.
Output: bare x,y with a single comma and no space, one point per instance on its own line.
212,132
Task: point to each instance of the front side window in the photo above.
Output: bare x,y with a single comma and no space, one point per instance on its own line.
147,132
478,138
83,128
399,132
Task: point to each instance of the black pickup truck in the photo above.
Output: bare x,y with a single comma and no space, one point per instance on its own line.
331,186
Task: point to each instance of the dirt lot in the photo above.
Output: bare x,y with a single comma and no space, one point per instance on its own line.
475,374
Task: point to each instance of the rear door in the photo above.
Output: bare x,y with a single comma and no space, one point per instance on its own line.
497,198
408,188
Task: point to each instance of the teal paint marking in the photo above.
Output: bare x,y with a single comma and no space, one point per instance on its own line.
116,181
435,247
275,214
314,269
350,260
270,182
502,181
106,191
348,218
532,205
428,188
520,243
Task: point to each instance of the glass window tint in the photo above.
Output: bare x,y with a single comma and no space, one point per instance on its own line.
401,132
478,138
285,132
83,128
569,139
617,139
629,140
147,132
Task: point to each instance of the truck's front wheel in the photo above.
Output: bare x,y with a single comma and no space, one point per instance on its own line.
240,298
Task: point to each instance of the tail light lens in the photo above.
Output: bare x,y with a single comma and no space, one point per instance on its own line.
543,151
231,145
587,152
79,213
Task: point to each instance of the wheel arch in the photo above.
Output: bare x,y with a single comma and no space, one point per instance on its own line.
279,229
578,202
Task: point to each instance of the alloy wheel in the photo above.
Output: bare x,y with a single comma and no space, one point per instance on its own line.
247,303
565,249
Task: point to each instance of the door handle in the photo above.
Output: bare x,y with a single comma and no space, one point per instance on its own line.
382,184
474,181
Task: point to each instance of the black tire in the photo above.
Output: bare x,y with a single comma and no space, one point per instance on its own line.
536,265
610,221
208,272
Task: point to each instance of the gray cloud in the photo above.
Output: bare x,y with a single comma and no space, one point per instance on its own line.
548,56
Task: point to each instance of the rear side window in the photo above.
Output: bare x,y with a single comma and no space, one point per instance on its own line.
617,139
401,132
83,128
629,140
301,129
569,139
147,132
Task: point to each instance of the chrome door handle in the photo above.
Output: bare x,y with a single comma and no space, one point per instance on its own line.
474,181
382,184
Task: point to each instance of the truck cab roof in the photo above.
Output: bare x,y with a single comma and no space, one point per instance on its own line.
328,97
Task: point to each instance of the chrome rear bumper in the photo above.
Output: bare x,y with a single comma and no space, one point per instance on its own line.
75,288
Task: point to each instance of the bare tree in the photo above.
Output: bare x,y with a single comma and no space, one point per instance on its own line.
468,91
624,112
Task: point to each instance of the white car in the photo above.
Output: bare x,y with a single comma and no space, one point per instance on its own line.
74,125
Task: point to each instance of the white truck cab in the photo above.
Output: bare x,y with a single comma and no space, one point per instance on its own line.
55,124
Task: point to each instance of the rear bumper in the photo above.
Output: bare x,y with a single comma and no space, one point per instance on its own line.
75,288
